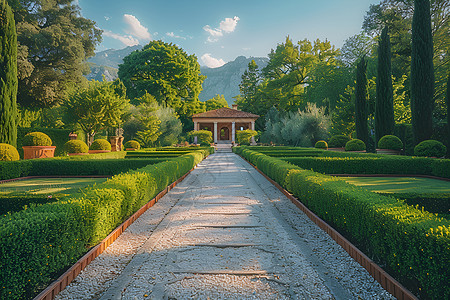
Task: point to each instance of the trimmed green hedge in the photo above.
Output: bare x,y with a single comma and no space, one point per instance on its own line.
438,203
414,243
17,202
37,243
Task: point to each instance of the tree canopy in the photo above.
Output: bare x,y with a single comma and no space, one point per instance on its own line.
217,102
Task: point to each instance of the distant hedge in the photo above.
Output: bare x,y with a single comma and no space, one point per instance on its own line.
412,242
37,243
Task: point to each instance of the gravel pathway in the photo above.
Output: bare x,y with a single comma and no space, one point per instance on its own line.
225,232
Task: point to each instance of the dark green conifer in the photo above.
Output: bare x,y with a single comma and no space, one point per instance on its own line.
384,106
8,75
422,74
361,101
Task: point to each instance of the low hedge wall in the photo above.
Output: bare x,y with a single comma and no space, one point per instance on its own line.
438,203
17,202
38,243
413,243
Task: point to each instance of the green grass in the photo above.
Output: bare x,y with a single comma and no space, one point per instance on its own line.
400,184
47,186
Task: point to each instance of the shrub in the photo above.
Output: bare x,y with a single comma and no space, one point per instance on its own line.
430,148
58,136
321,145
244,137
76,146
37,139
338,141
203,136
390,142
8,152
100,144
355,145
132,144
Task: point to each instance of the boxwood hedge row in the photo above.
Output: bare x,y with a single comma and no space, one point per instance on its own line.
413,243
39,242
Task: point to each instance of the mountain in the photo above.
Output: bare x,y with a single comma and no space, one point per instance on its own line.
224,80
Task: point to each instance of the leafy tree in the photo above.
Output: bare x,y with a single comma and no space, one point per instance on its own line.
355,47
384,108
54,42
343,116
170,127
100,105
166,72
215,103
447,98
149,121
422,72
8,76
249,87
402,108
361,100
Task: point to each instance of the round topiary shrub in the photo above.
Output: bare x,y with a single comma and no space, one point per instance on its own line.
355,145
390,142
37,139
100,144
76,146
8,152
132,144
338,141
321,145
431,148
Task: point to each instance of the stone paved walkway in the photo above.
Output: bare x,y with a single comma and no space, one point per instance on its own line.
225,232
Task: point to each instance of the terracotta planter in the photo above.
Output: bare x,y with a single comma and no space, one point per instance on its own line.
388,151
114,141
30,152
98,151
75,154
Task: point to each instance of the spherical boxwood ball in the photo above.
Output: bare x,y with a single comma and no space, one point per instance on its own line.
8,153
355,145
100,144
390,142
36,139
338,141
132,144
76,146
431,148
321,145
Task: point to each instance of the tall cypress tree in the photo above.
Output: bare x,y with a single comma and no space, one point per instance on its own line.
384,106
361,101
447,98
8,75
422,74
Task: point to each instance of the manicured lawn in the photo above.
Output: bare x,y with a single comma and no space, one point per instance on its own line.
400,184
47,186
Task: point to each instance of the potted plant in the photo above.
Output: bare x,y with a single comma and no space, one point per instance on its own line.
132,145
100,146
76,147
389,144
355,145
37,145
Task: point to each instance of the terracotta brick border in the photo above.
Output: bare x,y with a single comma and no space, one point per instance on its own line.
65,279
387,282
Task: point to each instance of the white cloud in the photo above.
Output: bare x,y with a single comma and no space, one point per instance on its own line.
135,28
229,24
107,18
128,40
212,62
226,26
171,34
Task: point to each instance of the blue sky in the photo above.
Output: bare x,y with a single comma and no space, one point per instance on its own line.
219,31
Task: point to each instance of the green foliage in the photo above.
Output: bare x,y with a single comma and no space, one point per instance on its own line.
217,102
8,153
148,120
402,107
244,137
361,101
343,116
355,145
436,203
384,107
203,136
8,76
58,136
16,203
422,72
405,133
430,148
76,146
54,236
132,144
390,142
338,141
385,228
100,144
36,139
54,43
321,145
170,128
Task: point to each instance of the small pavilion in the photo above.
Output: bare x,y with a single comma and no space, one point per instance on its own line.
224,122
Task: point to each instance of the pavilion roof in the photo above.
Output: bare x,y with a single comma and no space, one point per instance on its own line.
225,112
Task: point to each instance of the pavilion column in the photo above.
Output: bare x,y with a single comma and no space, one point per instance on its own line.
195,126
253,138
215,132
233,132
